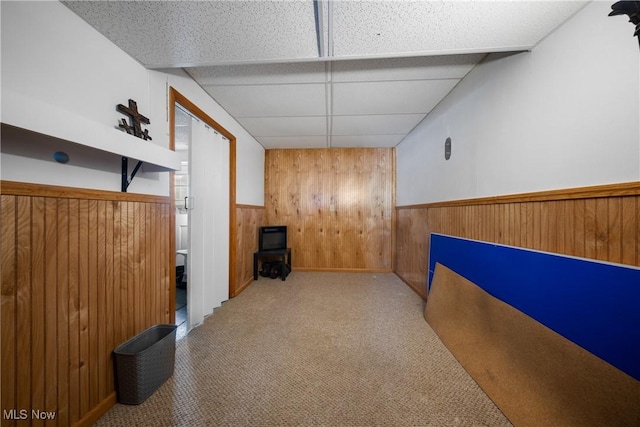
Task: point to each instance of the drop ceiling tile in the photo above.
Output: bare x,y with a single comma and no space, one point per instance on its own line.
363,141
437,27
271,100
285,126
188,33
415,68
375,124
298,72
395,97
272,142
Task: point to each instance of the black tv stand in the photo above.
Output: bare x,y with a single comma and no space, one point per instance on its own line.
284,254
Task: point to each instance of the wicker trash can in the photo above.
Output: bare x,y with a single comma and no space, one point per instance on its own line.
143,363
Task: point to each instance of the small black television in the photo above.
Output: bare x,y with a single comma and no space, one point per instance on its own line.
273,237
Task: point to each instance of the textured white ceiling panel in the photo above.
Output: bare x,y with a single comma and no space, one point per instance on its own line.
296,72
400,124
271,100
379,28
366,141
393,97
162,34
363,74
293,141
414,68
285,126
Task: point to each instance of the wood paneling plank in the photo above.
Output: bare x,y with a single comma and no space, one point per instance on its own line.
63,312
579,230
544,243
74,311
630,223
614,230
637,231
118,275
100,305
137,308
8,306
504,223
92,307
602,229
497,224
517,230
169,287
51,307
38,289
129,254
590,228
84,279
569,226
154,252
109,321
146,272
627,229
530,226
23,303
553,235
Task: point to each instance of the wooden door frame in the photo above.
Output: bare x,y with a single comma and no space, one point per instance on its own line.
177,97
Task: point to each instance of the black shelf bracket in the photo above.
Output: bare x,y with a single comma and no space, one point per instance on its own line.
126,180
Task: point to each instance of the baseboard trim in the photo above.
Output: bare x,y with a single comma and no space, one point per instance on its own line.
242,287
344,270
99,410
421,293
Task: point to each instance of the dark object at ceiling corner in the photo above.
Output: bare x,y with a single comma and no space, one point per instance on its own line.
631,9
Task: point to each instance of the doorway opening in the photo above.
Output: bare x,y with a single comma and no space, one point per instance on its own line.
182,142
203,195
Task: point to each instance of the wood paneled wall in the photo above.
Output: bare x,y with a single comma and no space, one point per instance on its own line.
248,221
82,272
337,205
601,222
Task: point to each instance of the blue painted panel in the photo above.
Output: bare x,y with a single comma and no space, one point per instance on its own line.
594,304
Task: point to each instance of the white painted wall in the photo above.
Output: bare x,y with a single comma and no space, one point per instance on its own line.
249,153
564,115
61,77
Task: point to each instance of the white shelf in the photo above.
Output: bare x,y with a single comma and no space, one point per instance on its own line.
50,124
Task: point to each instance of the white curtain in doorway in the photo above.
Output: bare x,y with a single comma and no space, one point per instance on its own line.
208,222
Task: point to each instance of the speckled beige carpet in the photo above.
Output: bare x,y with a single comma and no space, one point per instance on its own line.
320,349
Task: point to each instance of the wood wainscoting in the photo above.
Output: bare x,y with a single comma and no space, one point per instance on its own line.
82,272
249,219
600,222
337,205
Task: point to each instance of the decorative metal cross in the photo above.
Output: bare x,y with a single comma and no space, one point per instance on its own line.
135,128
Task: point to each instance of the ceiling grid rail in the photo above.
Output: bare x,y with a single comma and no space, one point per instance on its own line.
318,15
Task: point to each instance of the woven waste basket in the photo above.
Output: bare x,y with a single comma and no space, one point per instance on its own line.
143,363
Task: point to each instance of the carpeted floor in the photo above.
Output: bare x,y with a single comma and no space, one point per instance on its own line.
319,349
